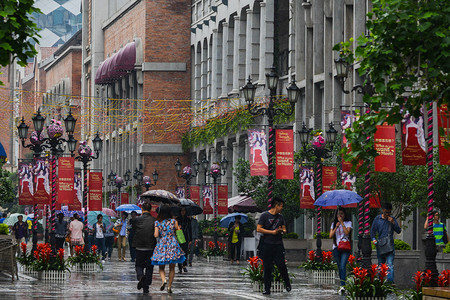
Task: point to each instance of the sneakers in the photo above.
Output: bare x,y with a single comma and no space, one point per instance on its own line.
140,284
288,288
185,270
266,293
341,291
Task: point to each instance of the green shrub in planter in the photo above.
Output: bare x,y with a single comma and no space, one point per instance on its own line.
447,248
398,245
325,235
4,229
291,235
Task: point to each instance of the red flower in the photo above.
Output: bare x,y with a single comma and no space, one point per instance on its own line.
427,277
312,255
360,274
36,254
442,280
23,246
211,245
383,271
61,254
351,260
418,280
94,249
373,272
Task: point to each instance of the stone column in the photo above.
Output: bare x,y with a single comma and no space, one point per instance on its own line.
248,45
234,187
266,39
247,152
204,70
225,62
214,62
236,46
197,66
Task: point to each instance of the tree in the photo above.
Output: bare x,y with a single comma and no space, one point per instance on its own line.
406,58
6,187
17,31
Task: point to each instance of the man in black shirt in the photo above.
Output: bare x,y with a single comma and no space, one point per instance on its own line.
271,224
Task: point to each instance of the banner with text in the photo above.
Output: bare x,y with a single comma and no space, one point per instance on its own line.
385,146
413,141
222,199
307,195
66,173
42,180
284,155
95,191
259,164
329,180
195,194
347,119
124,198
77,201
444,132
207,200
26,185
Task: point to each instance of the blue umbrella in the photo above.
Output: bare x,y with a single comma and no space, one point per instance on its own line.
129,208
2,152
70,213
92,217
225,222
338,198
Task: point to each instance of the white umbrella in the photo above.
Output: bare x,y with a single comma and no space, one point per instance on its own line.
13,218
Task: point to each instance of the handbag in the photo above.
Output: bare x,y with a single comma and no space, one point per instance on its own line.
180,236
385,245
344,246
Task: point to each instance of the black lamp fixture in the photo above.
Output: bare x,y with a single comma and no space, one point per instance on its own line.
38,121
70,122
342,70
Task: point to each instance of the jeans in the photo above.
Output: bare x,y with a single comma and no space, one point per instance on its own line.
59,243
341,259
109,245
274,253
100,243
132,249
235,251
388,259
143,261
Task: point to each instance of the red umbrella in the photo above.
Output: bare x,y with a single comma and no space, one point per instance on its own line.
242,203
109,212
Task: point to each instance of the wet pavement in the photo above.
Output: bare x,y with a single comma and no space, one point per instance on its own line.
218,280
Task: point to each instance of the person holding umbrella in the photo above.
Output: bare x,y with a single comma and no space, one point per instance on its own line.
193,245
99,236
236,233
121,226
272,225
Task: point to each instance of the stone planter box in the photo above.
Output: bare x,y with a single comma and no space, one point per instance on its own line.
370,298
319,276
52,275
214,258
277,287
207,239
442,261
87,268
327,244
296,249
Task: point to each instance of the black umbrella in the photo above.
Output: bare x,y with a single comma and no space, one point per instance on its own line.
192,208
160,197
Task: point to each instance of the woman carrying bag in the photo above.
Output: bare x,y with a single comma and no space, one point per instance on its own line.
340,233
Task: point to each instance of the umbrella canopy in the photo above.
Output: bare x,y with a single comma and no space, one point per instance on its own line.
338,198
225,222
92,217
109,212
160,197
70,213
13,218
242,203
192,208
129,208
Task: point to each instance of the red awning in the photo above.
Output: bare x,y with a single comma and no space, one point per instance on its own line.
117,65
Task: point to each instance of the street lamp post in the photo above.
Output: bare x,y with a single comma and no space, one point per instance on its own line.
319,151
119,182
86,156
364,240
187,174
138,175
52,142
249,94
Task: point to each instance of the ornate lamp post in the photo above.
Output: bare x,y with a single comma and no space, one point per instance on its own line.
146,179
249,94
320,151
52,142
187,174
86,156
119,182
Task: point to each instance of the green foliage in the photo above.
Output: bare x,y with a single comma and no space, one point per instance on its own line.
215,250
17,31
4,229
406,53
324,235
447,248
291,235
401,245
221,232
6,186
315,263
362,283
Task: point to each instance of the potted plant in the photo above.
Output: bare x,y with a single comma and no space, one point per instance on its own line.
85,261
322,269
215,252
48,266
422,279
26,260
368,284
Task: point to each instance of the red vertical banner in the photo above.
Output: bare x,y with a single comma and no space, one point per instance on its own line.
77,200
180,192
413,141
307,195
284,139
347,119
222,199
95,191
124,198
42,181
329,178
207,200
66,173
112,201
444,132
26,186
195,194
385,147
259,163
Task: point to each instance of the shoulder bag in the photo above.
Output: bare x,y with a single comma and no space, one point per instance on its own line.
180,236
344,246
385,244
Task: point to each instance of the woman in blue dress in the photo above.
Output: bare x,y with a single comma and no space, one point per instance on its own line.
167,250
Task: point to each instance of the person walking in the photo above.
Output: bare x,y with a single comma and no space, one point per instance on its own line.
61,231
167,250
99,236
76,233
144,242
109,239
439,230
272,225
121,225
131,232
340,233
193,245
384,226
20,229
235,237
185,224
